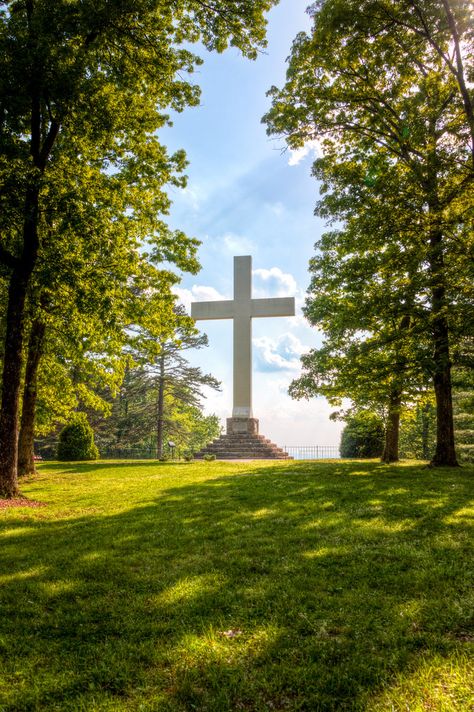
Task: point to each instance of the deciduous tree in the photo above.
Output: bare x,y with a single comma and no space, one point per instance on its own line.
90,80
384,89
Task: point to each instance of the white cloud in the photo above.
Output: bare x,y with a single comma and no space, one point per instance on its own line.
237,244
206,294
277,209
299,320
197,293
312,148
192,197
274,282
283,420
297,422
280,354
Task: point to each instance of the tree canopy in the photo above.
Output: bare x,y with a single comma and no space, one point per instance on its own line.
383,91
84,91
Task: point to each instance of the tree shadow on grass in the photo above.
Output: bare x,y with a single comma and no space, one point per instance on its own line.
105,465
306,587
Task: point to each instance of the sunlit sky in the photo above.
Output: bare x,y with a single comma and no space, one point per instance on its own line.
247,196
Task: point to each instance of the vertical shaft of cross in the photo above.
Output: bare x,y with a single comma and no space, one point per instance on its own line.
242,309
242,350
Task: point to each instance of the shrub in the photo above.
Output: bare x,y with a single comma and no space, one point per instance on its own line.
76,440
209,457
363,436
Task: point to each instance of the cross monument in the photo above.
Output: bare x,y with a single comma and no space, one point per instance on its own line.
242,309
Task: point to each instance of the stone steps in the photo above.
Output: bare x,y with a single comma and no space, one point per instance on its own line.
243,446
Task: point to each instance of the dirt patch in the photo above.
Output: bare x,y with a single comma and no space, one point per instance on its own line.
20,502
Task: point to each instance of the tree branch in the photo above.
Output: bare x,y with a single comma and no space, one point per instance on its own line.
48,144
459,74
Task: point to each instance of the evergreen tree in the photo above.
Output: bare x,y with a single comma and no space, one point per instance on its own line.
160,398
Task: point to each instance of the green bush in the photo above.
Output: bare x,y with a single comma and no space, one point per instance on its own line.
76,440
209,457
363,436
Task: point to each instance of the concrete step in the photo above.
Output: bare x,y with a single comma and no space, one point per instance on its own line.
243,446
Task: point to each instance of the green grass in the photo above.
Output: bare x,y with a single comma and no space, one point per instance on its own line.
340,586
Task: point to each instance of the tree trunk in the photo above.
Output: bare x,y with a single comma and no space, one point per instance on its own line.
445,453
392,432
160,410
44,131
13,356
11,383
26,462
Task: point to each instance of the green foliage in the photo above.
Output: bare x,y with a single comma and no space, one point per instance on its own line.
192,429
84,93
363,436
133,418
209,457
375,86
76,440
418,431
160,397
85,88
463,396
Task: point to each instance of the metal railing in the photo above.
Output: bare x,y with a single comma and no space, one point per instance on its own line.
312,452
129,453
114,453
297,452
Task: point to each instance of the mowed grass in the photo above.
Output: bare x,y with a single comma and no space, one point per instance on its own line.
250,586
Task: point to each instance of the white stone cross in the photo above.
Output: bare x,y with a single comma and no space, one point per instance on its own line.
242,309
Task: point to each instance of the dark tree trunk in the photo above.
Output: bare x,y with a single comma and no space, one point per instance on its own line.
445,453
392,431
43,134
26,462
160,409
11,383
13,355
42,140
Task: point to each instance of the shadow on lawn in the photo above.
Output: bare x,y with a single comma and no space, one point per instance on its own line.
104,465
332,585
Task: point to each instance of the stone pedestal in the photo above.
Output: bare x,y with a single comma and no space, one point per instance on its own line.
243,442
242,426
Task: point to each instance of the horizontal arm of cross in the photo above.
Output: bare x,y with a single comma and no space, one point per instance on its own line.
212,310
278,306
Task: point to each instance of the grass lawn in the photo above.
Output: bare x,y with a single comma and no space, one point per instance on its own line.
217,586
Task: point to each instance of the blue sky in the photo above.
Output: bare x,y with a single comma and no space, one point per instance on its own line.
246,196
